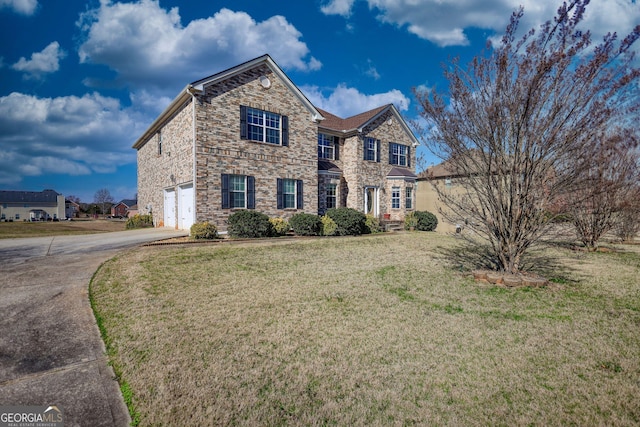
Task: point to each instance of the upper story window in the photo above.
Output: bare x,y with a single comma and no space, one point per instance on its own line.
238,192
372,149
327,146
159,143
263,126
399,154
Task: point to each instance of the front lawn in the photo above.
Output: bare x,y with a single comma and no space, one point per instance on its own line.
376,330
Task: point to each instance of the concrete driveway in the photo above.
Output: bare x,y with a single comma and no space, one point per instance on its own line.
51,352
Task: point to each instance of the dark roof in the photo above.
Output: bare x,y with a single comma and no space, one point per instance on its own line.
324,165
128,202
46,196
405,173
333,122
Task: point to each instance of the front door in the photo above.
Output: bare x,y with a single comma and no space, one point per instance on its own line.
371,201
185,207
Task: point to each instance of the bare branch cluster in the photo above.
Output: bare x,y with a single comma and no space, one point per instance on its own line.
521,123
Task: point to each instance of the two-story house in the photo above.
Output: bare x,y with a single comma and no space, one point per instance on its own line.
248,138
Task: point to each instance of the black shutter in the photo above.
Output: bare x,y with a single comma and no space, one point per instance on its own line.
391,153
279,197
251,192
366,146
285,131
336,148
243,122
408,157
378,150
299,195
225,191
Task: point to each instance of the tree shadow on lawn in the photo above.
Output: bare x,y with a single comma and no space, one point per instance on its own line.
467,256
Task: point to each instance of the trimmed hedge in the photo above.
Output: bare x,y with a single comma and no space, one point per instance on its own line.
203,231
304,224
426,221
280,226
329,226
249,224
349,222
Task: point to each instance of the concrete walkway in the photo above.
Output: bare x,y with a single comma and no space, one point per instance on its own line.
51,352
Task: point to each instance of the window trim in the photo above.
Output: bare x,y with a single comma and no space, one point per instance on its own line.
408,198
249,192
332,145
395,199
245,126
371,152
395,157
281,195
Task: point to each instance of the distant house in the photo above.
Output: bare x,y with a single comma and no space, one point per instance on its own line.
248,138
31,205
124,208
71,209
446,179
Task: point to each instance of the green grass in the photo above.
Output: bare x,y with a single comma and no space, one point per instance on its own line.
375,330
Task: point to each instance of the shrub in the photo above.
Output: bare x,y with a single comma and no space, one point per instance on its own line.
304,224
329,226
249,224
280,226
139,221
204,231
372,225
349,221
426,221
410,221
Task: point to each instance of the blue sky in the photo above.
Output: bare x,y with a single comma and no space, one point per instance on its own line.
80,80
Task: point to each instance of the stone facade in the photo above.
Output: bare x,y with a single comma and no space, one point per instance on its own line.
198,139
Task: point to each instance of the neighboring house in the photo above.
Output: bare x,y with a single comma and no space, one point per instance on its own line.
248,138
123,208
31,205
71,209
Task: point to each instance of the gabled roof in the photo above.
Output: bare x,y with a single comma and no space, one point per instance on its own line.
46,196
127,202
354,124
198,87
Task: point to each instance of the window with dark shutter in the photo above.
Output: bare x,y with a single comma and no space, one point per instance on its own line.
299,195
225,191
251,192
243,122
280,194
336,150
285,131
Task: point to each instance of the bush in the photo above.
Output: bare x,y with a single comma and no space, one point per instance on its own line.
372,225
204,231
329,226
249,224
426,221
139,221
304,224
280,226
349,221
410,221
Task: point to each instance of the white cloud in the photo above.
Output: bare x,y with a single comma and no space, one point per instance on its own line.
41,63
150,48
372,71
444,22
338,7
24,7
67,135
344,101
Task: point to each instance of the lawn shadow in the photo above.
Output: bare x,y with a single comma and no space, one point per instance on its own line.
468,255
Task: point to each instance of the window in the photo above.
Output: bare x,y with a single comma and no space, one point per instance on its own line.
238,192
399,154
327,147
263,126
159,143
395,198
408,200
372,149
17,216
289,194
331,196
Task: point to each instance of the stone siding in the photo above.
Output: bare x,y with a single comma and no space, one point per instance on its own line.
219,149
170,168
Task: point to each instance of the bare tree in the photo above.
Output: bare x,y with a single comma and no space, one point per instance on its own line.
607,182
516,123
103,198
627,224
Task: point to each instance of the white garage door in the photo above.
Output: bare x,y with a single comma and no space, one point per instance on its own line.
170,208
185,207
